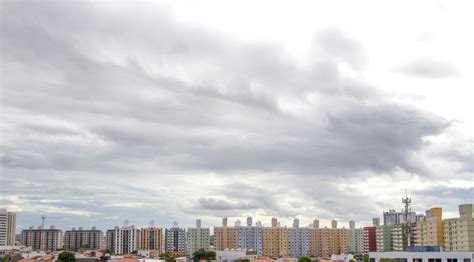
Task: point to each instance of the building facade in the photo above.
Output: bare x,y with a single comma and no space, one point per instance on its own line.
325,242
298,240
399,237
151,238
459,232
75,240
249,237
7,227
225,237
197,238
370,240
123,240
355,239
175,239
275,240
430,231
42,239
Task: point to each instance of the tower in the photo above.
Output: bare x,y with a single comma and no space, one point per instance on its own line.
407,201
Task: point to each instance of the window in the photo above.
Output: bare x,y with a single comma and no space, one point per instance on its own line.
417,260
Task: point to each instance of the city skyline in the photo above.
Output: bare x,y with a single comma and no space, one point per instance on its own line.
396,218
166,111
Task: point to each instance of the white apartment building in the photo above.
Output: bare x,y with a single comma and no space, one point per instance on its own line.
197,238
175,239
123,240
7,227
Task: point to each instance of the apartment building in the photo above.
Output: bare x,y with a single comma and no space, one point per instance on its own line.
370,240
430,231
459,232
151,238
175,239
225,237
123,240
42,239
325,242
249,237
298,240
383,236
7,227
197,238
275,240
75,240
399,237
355,239
393,217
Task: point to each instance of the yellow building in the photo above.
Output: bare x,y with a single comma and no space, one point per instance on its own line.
459,232
225,237
275,240
325,242
430,231
151,238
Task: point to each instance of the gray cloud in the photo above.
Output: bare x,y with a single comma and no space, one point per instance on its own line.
430,68
110,97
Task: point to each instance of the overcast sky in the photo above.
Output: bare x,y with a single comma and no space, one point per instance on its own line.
171,111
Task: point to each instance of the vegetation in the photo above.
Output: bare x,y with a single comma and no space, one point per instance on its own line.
170,256
304,259
66,257
365,258
85,247
242,260
388,260
203,254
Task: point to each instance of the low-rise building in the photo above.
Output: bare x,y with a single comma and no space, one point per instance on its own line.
422,256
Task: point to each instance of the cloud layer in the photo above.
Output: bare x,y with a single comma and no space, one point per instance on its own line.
129,113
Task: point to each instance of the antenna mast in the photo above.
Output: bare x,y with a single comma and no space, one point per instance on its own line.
43,217
407,201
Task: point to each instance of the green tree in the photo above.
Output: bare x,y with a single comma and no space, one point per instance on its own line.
169,256
85,247
203,254
365,258
242,260
66,257
304,259
388,260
